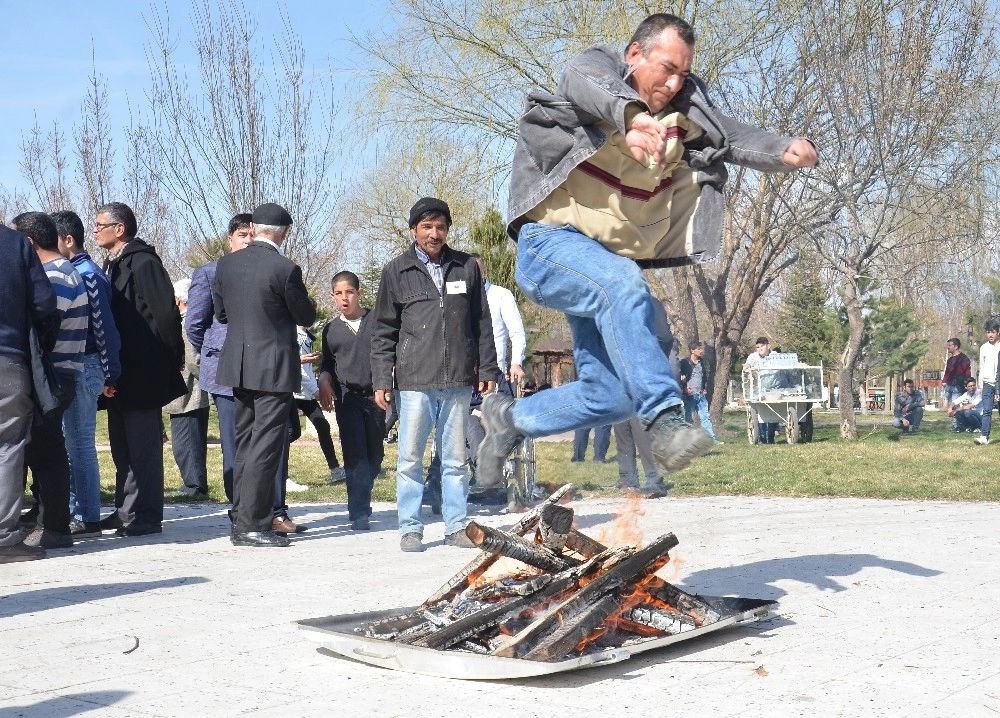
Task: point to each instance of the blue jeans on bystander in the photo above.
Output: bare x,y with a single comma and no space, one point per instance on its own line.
79,426
446,411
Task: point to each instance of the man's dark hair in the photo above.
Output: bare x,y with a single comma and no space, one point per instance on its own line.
40,227
649,31
695,345
907,382
956,341
992,325
762,340
123,214
240,221
68,223
968,379
346,276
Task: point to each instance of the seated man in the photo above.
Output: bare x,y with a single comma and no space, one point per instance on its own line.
909,410
967,410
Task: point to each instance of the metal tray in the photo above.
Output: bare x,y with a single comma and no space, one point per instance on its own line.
336,633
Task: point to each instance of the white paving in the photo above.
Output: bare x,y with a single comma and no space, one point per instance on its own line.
886,609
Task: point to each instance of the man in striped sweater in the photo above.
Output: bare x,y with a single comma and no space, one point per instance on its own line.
46,453
101,369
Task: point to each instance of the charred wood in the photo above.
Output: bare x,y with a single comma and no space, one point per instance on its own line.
500,542
478,566
554,526
566,638
582,544
506,588
617,569
701,611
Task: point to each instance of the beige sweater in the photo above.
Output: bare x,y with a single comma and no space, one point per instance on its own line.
632,208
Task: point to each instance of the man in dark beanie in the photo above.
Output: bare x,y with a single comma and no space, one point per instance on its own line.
433,333
261,296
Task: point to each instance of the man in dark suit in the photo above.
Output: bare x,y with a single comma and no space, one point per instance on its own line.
261,296
152,353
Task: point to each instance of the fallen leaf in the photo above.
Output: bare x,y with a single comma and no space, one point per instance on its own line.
761,671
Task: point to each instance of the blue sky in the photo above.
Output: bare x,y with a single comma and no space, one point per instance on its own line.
46,51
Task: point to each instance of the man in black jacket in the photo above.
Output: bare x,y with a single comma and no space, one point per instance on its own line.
433,329
693,379
261,296
152,353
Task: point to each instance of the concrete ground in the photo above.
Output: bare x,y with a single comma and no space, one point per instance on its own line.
886,609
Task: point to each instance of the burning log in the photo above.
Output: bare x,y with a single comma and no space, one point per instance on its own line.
669,594
582,544
500,542
496,613
623,568
507,588
555,526
570,634
478,566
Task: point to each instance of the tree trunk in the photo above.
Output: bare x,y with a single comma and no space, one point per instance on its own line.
685,316
849,359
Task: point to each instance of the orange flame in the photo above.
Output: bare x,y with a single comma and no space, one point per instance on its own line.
624,529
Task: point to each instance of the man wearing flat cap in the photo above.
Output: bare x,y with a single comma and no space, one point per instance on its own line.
433,333
261,296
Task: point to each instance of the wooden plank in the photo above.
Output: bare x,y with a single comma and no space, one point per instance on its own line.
500,542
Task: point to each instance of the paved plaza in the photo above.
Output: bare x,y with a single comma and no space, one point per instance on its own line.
886,608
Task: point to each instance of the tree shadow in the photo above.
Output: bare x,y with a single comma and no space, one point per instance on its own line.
73,704
44,599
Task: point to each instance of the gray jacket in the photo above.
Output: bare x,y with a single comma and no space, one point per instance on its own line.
558,132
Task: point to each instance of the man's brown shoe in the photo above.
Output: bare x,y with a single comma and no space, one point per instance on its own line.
284,525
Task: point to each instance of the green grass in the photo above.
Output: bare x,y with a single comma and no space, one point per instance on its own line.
933,464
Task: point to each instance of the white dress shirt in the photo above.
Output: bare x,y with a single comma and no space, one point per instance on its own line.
506,324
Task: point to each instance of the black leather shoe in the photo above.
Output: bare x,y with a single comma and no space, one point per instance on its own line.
111,522
259,538
134,529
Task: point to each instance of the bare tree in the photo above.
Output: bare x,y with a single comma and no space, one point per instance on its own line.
905,91
252,126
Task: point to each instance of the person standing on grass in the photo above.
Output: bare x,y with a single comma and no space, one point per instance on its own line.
306,402
988,378
345,386
956,370
189,415
694,384
762,350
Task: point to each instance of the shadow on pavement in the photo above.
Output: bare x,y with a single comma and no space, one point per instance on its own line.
73,704
44,599
819,570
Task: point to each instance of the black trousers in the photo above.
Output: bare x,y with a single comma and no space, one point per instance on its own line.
261,438
137,450
362,428
314,412
189,441
46,458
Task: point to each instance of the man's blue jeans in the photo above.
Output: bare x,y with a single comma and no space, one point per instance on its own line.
79,425
621,369
950,394
698,404
446,411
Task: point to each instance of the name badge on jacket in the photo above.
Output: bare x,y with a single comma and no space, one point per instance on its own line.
455,287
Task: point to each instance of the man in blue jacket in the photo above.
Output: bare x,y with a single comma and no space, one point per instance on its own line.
26,297
622,169
101,369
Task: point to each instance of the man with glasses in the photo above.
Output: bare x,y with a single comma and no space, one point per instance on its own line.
152,353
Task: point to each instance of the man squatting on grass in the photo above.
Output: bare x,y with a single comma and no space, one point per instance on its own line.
622,170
